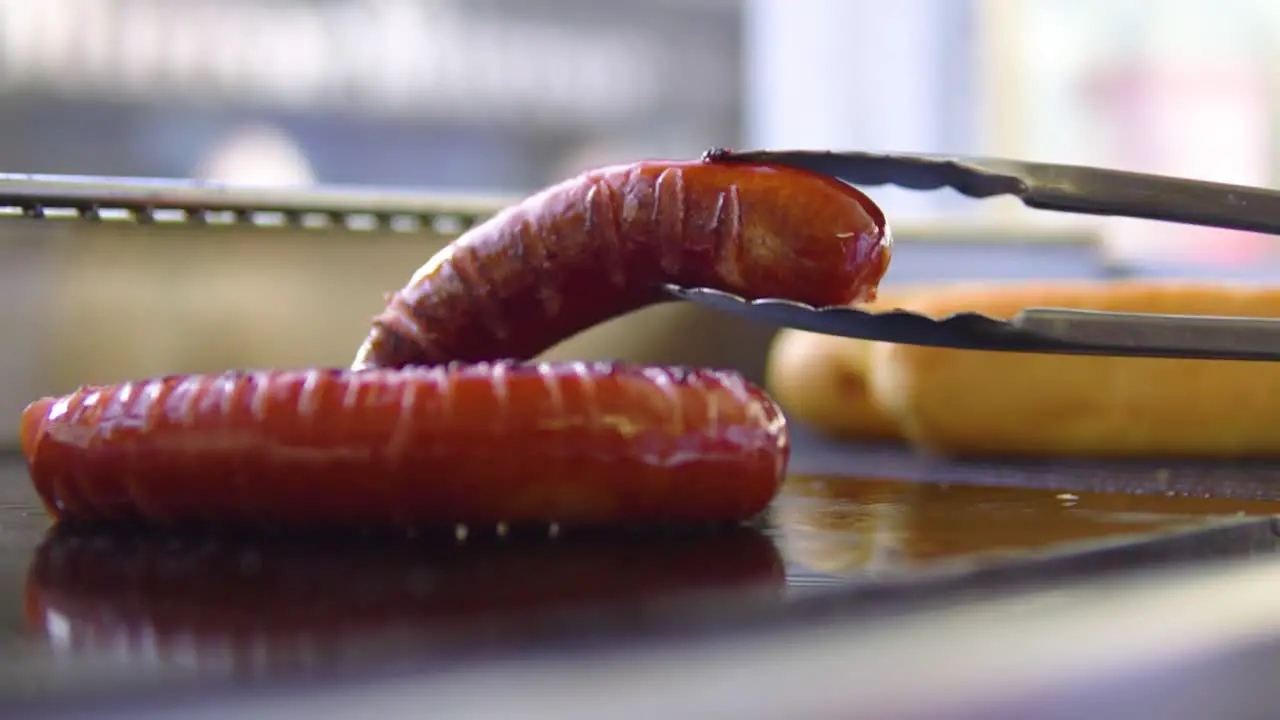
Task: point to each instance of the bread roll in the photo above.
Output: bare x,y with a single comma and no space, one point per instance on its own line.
819,380
966,403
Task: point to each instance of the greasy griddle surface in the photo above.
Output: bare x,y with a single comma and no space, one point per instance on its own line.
853,512
1238,480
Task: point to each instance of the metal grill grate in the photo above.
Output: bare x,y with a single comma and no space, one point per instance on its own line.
166,201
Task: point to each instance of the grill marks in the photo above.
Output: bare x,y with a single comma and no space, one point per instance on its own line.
480,294
726,229
667,220
535,258
602,230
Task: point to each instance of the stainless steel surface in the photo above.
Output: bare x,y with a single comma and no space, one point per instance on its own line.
1171,335
1047,186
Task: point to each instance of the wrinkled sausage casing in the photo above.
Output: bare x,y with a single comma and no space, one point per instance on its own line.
601,244
574,443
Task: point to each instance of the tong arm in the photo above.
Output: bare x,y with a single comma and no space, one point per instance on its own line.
1046,186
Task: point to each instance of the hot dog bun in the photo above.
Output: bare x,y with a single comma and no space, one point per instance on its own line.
963,403
820,381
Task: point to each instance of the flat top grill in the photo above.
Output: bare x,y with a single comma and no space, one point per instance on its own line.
96,617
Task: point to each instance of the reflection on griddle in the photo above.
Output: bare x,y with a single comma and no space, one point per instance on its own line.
856,526
247,606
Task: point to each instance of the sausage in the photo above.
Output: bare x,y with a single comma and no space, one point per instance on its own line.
601,244
572,443
247,604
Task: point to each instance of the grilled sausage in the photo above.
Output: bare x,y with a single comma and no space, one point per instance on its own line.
602,244
574,443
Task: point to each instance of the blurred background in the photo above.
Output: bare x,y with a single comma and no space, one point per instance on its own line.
495,98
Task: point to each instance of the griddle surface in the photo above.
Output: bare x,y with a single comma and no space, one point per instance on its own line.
98,610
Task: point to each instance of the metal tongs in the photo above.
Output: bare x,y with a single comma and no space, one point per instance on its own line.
1066,188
